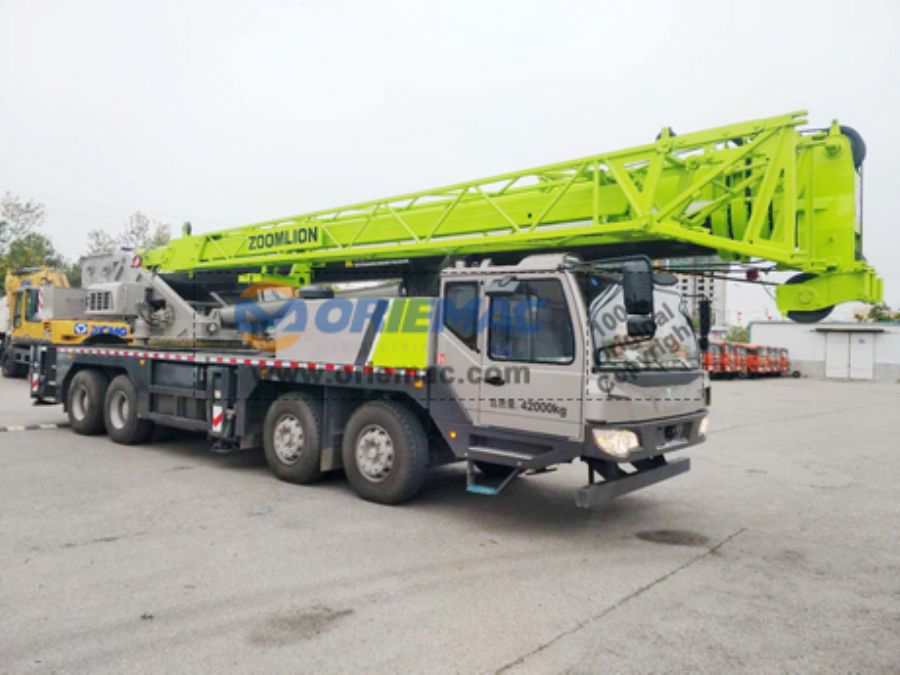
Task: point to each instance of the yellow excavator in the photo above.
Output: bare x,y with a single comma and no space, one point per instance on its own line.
42,309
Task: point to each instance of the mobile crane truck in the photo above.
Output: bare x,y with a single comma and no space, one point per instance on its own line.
531,329
42,309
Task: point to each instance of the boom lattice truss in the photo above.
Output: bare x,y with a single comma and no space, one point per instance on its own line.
763,189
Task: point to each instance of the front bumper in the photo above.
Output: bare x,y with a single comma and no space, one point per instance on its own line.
597,494
656,437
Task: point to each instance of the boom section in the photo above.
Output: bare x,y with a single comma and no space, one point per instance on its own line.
763,189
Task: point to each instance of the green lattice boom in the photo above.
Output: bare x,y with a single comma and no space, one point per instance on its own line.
758,190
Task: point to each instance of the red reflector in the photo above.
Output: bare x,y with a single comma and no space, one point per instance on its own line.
752,274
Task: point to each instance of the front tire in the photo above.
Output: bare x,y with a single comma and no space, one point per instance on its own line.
292,433
385,452
84,402
120,413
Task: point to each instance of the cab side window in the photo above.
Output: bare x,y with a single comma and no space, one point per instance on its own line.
532,325
461,311
17,313
31,305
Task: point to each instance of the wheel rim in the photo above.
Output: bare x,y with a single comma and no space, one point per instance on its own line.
119,409
289,439
374,453
80,403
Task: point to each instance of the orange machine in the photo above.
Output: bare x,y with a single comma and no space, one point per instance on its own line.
722,360
757,361
730,362
711,358
785,361
773,358
740,359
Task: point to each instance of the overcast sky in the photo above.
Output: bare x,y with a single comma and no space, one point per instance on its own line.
225,113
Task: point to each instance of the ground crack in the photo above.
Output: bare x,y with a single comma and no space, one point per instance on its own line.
631,596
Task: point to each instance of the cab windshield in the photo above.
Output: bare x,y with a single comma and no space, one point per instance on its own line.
673,347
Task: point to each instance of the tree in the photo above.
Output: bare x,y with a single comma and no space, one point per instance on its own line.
880,313
18,218
738,334
139,231
21,244
72,270
32,250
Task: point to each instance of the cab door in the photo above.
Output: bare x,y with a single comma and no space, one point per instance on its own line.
533,360
18,312
27,320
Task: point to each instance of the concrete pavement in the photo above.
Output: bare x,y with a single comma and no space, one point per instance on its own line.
779,551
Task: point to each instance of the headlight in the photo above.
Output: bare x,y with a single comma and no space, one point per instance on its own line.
704,426
616,442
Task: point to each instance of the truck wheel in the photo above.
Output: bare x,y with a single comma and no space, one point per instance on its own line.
292,433
385,452
120,413
84,402
10,368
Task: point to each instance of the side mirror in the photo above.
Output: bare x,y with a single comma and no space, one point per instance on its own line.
641,327
637,294
705,321
502,287
637,287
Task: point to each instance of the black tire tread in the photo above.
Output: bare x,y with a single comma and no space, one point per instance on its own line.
96,382
11,369
309,468
131,434
410,482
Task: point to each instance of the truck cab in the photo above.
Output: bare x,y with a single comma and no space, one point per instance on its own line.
552,360
44,310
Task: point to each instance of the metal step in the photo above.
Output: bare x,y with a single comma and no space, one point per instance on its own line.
511,458
482,485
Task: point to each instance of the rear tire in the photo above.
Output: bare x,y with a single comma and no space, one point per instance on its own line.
292,437
11,369
385,452
84,402
120,413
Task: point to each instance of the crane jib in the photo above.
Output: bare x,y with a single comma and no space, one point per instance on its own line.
306,236
758,190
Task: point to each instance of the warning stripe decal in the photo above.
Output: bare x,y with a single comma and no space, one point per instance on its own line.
241,360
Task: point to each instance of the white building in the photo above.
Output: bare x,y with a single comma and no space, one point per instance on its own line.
856,351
